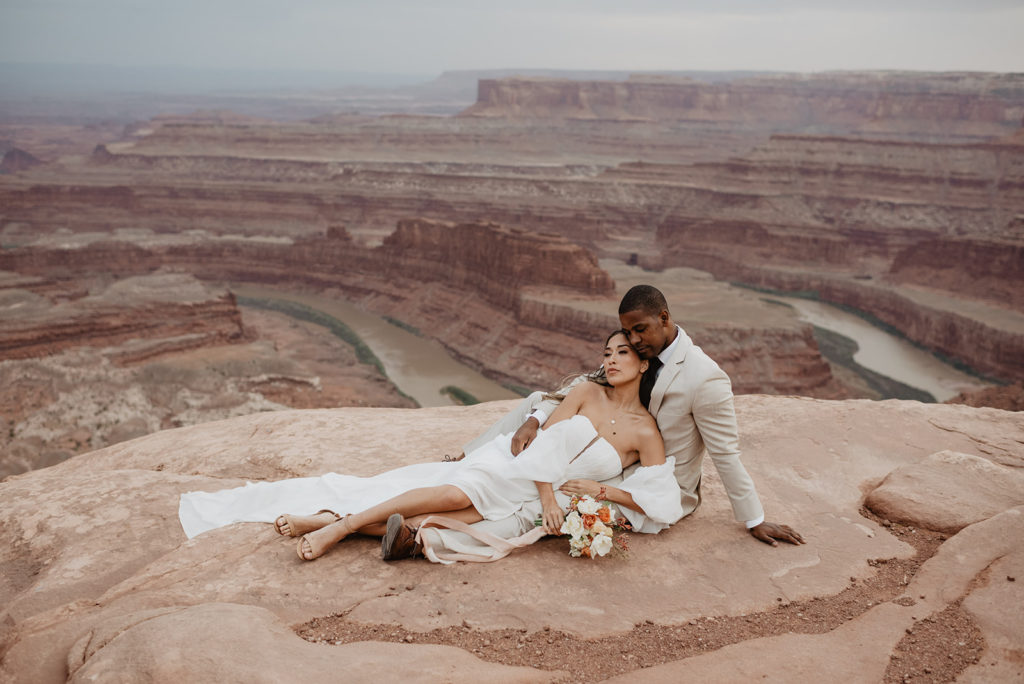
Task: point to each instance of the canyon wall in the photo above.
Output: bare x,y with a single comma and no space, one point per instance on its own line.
926,238
171,311
880,185
911,105
987,269
490,259
483,291
991,346
905,214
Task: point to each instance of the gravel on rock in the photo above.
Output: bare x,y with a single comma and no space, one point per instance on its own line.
937,649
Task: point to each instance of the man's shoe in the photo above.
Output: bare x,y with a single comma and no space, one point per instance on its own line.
399,541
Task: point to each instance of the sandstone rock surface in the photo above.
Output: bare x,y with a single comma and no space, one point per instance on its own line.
947,491
97,572
89,362
189,644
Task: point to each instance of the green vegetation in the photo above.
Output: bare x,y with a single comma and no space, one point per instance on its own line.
403,325
518,389
459,395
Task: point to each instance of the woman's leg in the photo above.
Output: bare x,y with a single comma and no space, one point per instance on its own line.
415,502
295,525
468,515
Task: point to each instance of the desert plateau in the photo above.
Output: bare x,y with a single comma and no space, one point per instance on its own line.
198,292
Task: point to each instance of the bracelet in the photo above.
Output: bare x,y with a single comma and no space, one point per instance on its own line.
602,495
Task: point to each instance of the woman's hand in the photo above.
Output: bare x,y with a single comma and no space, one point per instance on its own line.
581,487
553,517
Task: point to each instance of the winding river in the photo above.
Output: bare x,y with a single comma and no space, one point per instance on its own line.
887,354
418,366
421,367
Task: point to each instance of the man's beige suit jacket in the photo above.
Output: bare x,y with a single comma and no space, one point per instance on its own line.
693,404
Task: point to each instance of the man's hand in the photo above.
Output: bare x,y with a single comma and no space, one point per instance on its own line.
768,532
524,435
553,516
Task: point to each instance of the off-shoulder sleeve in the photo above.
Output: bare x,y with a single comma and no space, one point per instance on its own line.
655,490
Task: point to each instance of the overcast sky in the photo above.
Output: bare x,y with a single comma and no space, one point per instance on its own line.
416,37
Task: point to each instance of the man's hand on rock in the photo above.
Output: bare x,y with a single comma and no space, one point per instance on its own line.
769,532
524,435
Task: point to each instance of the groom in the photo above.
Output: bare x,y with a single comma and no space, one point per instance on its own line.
691,399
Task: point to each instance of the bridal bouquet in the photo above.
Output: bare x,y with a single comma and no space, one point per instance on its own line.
591,526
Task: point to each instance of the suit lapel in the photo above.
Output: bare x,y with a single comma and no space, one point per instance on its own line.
669,372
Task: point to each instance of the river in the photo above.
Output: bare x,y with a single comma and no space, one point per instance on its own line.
418,366
887,354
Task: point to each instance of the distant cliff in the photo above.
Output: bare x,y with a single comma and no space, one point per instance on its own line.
912,105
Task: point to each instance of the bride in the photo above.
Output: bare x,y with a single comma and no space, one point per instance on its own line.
596,432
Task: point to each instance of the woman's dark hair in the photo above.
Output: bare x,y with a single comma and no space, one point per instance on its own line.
596,376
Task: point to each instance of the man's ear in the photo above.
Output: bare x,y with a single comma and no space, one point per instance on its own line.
664,317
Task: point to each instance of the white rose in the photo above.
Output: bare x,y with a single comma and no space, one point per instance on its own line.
600,546
573,525
600,528
588,505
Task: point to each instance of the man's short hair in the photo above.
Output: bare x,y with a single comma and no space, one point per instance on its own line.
644,298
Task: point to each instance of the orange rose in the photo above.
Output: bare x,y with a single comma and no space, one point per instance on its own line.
585,551
588,520
605,514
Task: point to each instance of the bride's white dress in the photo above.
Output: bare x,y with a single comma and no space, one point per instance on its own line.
497,483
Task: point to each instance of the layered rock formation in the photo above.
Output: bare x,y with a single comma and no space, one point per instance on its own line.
925,238
896,198
100,583
485,292
493,261
987,269
15,160
1008,398
910,105
160,313
88,362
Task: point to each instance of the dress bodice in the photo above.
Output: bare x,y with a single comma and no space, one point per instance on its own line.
599,461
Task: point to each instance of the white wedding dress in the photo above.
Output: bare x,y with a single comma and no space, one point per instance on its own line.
498,483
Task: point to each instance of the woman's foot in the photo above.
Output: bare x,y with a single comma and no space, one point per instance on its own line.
315,544
296,525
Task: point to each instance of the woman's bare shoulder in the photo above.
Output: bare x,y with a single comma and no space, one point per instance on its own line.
586,389
646,424
652,446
